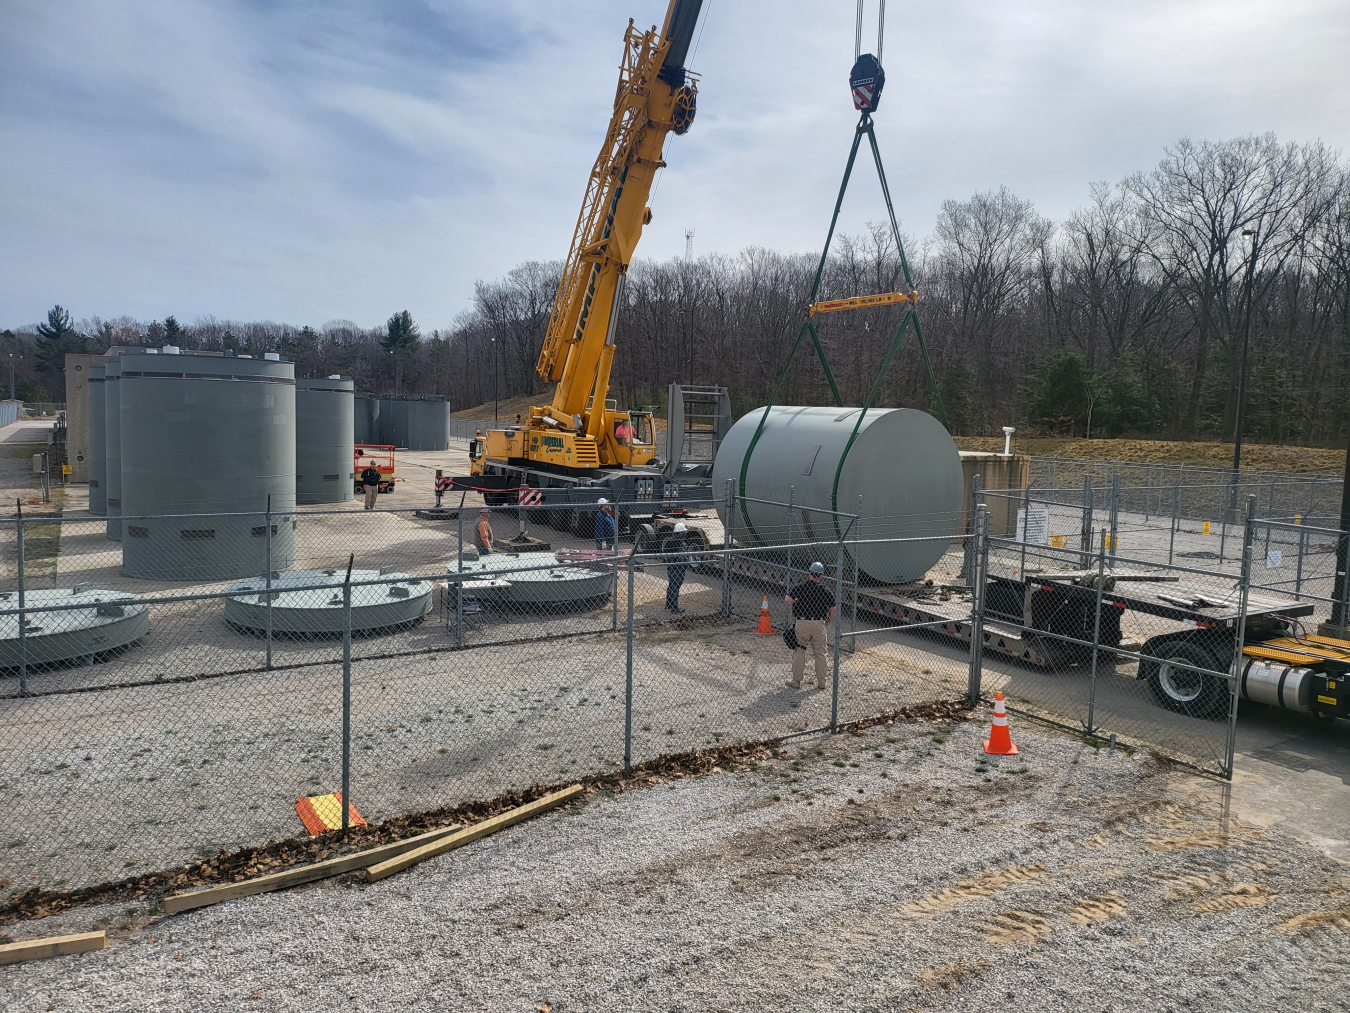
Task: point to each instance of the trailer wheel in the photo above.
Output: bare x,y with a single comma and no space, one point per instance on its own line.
1182,690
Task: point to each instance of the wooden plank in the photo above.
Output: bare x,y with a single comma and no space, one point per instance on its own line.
304,874
52,946
379,871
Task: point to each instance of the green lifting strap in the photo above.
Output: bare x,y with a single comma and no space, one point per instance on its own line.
864,127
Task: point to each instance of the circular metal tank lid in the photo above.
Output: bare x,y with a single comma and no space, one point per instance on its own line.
102,621
310,601
548,580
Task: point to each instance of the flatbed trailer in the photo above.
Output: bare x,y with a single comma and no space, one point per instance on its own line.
1049,620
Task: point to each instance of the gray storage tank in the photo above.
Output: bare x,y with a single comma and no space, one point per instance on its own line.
98,447
393,420
366,414
428,424
205,434
903,464
324,430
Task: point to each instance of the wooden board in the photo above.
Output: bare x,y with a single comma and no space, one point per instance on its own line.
304,874
379,871
52,946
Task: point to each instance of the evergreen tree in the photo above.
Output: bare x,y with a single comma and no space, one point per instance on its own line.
55,338
401,335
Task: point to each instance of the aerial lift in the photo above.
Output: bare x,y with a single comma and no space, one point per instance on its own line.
581,446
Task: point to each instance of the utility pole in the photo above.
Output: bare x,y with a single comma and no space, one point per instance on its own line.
495,398
1248,240
11,376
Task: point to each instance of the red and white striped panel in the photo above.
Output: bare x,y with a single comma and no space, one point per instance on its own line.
529,497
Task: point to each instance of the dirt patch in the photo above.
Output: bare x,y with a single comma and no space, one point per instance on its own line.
1257,457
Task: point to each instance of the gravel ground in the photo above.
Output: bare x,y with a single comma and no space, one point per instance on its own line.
100,786
891,870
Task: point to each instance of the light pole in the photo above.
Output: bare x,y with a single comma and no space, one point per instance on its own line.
1249,241
495,398
11,376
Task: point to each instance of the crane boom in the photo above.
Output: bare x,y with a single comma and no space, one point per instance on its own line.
655,95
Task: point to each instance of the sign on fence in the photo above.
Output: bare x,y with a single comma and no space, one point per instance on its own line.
1038,532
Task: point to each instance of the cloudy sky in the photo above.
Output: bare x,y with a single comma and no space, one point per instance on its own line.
307,161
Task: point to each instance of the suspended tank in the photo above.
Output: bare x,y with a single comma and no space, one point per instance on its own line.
903,464
367,418
205,435
324,426
98,447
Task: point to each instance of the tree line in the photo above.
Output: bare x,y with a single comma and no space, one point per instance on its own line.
1126,318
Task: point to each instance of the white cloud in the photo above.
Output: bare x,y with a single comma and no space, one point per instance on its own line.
304,162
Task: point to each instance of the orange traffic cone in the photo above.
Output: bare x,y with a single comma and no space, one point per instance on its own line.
765,625
1000,742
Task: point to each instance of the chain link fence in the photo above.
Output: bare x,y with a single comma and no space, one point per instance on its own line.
173,695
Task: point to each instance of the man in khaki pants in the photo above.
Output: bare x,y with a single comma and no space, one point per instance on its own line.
813,608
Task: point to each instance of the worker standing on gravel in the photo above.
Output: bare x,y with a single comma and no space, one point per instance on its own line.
813,608
442,485
606,527
677,563
483,531
370,484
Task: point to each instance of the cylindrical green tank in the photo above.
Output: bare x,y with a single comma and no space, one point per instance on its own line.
98,446
324,430
903,464
207,435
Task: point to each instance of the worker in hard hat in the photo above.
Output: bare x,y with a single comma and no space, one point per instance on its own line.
483,531
606,526
675,547
813,609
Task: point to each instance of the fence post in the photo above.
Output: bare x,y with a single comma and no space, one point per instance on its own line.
787,577
726,547
1176,506
1115,512
459,583
347,694
46,477
628,677
1298,572
838,629
1235,674
1148,493
1270,514
979,567
968,560
23,620
1085,534
1096,634
267,580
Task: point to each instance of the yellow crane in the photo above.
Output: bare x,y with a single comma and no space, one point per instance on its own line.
581,429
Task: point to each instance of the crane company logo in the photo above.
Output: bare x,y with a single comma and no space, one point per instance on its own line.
552,442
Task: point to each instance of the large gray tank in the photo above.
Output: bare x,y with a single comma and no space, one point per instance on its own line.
393,425
324,424
98,447
904,464
428,424
415,422
366,414
205,434
112,441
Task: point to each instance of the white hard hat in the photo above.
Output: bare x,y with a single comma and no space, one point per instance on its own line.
817,567
680,527
601,501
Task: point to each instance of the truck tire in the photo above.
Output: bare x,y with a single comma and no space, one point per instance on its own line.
1182,690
